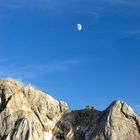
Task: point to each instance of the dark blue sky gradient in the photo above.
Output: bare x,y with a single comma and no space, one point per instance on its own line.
40,44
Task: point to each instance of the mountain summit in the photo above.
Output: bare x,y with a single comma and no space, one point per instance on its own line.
29,114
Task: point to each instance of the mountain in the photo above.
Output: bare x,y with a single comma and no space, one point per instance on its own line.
29,114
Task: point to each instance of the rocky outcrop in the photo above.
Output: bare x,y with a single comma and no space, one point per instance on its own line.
29,114
117,122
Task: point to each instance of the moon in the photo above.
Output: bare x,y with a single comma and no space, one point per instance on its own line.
79,27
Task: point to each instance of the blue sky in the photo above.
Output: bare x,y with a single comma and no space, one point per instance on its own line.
39,44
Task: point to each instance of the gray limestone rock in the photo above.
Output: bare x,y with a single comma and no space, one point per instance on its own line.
29,114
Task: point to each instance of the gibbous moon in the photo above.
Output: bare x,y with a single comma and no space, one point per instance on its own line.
79,27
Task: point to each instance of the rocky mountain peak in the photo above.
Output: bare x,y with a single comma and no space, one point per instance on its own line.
29,114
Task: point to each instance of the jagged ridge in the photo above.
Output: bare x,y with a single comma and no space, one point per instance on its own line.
27,113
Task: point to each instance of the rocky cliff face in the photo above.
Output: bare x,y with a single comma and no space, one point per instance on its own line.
29,114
